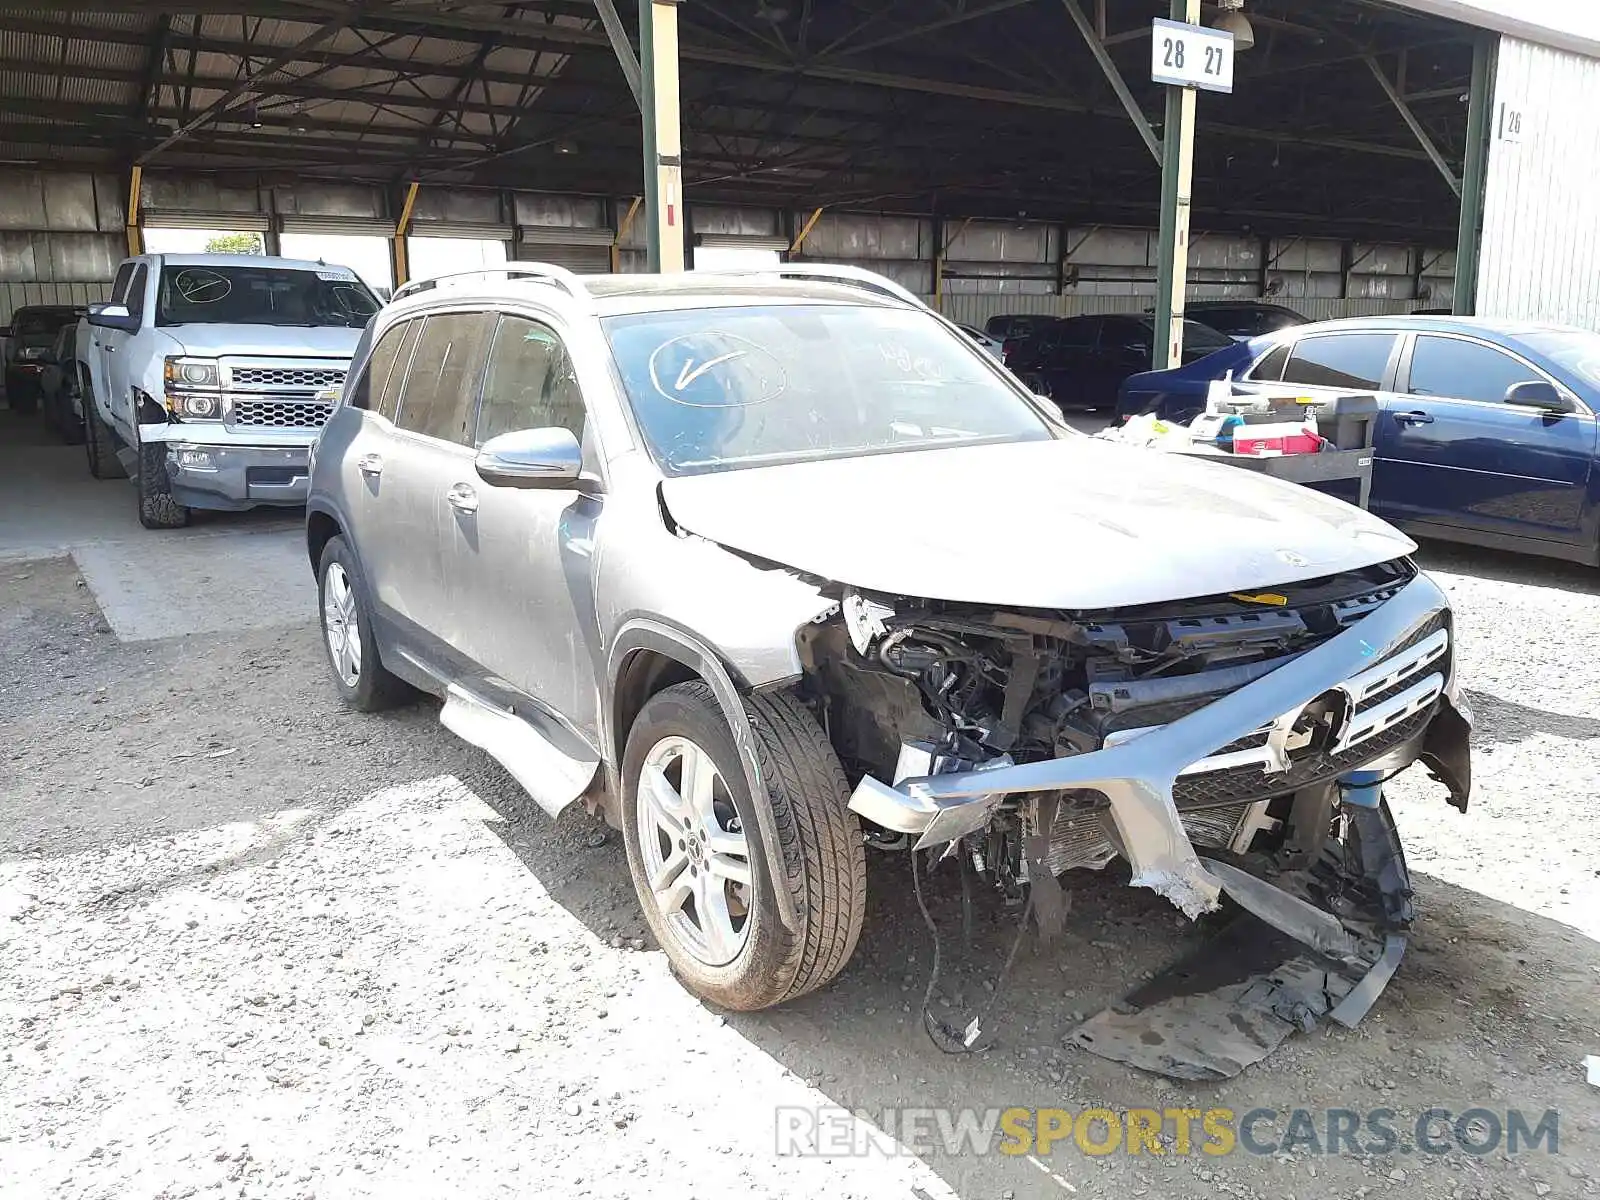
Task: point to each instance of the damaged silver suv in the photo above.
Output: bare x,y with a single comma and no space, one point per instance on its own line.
775,568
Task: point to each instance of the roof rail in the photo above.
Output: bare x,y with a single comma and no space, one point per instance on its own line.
543,272
830,272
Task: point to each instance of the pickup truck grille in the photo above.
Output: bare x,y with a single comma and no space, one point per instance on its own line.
278,414
287,377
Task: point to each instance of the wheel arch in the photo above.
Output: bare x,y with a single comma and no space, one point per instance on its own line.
648,656
322,526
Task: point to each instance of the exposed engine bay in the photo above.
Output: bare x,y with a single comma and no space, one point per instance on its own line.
1289,815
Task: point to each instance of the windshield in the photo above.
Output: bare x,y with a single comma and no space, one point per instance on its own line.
1572,350
723,388
207,295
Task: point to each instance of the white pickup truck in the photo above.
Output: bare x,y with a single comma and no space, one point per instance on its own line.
207,376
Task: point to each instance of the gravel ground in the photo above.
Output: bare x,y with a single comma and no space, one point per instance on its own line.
256,945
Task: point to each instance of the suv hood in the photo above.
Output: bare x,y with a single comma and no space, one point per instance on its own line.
264,341
1073,524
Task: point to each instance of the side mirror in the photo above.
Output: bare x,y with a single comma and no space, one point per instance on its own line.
531,458
1537,393
113,316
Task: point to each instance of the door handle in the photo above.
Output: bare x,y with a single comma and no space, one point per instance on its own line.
462,498
1415,417
370,464
110,349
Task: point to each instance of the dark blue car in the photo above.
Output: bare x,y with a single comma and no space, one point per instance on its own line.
1486,432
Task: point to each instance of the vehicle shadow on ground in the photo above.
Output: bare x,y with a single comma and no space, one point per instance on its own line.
1508,567
1481,978
1499,721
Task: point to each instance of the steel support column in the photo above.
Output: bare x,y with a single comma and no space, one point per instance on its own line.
1177,177
663,152
1480,100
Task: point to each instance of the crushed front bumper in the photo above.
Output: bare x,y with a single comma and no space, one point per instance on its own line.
1357,670
221,476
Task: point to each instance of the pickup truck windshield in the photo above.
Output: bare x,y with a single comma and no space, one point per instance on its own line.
725,388
204,295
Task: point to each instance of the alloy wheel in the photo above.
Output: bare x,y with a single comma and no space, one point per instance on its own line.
695,853
341,624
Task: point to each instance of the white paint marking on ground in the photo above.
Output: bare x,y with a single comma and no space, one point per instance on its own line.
374,1002
1053,1176
163,586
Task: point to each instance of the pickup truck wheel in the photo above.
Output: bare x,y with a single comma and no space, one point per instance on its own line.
97,443
157,508
696,856
347,632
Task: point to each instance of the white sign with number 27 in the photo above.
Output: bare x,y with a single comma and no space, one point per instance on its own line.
1191,56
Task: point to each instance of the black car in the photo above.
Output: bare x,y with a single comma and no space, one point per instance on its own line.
1015,326
1081,362
29,337
58,387
1241,319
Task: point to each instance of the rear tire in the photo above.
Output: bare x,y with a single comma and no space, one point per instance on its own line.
347,633
157,508
97,441
820,849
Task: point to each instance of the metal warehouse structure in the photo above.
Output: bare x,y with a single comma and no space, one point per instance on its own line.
991,154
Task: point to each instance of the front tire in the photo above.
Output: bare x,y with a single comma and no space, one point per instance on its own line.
695,851
157,508
347,633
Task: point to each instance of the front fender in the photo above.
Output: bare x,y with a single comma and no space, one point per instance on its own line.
658,637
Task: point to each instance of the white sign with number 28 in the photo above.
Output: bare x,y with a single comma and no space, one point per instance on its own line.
1191,56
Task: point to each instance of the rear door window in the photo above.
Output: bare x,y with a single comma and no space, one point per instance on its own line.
1076,335
1453,369
441,389
1349,361
1270,368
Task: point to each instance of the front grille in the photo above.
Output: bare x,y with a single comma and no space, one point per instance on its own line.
287,377
1390,702
1237,784
279,414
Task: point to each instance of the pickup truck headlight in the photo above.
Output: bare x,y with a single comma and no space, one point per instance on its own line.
32,353
183,374
194,389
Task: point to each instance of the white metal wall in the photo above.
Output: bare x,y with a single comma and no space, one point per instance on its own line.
1540,256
